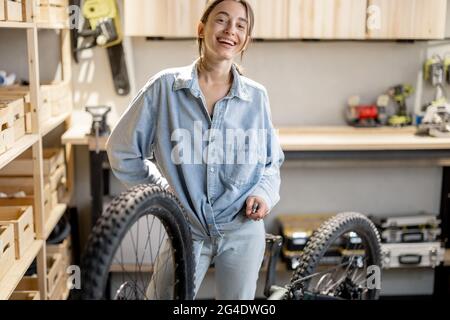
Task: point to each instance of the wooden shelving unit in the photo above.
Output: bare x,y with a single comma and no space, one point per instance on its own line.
17,271
40,129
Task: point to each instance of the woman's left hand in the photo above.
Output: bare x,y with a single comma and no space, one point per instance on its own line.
262,210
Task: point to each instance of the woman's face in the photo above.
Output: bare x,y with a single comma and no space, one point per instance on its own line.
225,32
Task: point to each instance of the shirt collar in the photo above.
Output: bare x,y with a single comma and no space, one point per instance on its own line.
188,79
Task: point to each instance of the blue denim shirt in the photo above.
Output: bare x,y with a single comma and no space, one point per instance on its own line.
201,157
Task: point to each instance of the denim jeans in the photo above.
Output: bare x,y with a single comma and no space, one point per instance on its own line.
237,257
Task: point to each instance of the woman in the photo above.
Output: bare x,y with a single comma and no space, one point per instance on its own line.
189,119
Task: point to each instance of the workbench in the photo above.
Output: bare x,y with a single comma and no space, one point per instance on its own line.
330,147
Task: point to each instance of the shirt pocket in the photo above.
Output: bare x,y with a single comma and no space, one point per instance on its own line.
244,173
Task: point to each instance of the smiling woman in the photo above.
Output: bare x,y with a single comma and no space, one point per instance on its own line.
245,24
225,202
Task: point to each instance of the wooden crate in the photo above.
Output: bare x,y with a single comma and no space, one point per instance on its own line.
51,11
25,295
28,200
15,105
7,249
53,159
14,10
22,220
8,93
45,108
64,248
2,10
12,128
57,96
54,179
55,271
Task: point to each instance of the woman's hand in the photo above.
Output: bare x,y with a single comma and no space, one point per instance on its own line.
262,209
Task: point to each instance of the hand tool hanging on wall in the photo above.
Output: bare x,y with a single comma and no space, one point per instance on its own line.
102,27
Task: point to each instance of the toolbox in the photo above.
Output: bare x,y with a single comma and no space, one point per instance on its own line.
402,255
409,229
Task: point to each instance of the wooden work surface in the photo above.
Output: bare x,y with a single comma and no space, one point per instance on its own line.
339,138
357,139
79,135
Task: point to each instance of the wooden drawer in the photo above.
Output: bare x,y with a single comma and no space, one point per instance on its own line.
25,295
7,249
14,11
53,159
55,271
27,199
22,220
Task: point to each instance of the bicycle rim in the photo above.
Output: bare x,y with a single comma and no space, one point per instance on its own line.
140,249
338,260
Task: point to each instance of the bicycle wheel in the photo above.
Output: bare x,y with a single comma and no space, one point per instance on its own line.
140,247
337,260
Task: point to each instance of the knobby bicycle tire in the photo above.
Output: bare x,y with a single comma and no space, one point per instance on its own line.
327,233
113,226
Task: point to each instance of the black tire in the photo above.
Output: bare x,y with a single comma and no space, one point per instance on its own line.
112,227
328,233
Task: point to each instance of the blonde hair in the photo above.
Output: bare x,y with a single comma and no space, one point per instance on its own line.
250,18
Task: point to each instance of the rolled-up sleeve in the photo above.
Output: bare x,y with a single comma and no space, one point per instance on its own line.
129,146
268,187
